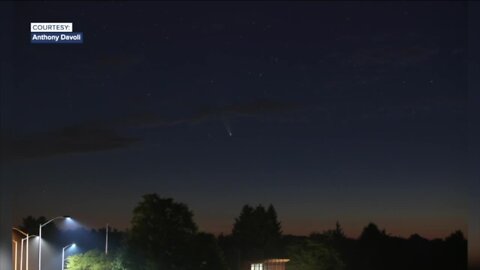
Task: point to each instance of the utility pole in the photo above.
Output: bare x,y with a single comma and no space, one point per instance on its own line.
106,240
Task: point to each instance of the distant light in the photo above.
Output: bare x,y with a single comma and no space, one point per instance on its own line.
67,217
74,245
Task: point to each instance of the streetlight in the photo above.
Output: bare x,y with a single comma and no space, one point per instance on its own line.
63,254
40,239
27,236
106,240
15,243
21,248
27,252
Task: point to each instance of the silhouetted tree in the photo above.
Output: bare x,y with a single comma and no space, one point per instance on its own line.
163,235
456,248
372,248
257,233
334,238
371,233
275,225
161,231
206,253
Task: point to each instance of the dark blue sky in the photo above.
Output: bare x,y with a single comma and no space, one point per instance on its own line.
330,111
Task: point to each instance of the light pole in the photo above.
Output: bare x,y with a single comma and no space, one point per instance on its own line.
21,246
40,239
106,240
27,252
15,244
63,254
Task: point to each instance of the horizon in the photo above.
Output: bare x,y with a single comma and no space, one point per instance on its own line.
350,231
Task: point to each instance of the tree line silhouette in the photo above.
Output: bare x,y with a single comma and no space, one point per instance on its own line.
163,235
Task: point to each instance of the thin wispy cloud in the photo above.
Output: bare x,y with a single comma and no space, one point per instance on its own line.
105,135
67,140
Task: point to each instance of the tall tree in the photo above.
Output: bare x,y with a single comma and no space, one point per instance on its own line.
164,236
257,233
373,252
161,231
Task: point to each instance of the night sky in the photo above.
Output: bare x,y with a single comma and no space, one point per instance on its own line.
353,112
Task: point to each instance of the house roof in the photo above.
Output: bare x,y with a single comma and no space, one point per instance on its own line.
276,260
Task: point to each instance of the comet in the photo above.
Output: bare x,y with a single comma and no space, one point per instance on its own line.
226,124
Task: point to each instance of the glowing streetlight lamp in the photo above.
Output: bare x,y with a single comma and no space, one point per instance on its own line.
63,253
40,238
